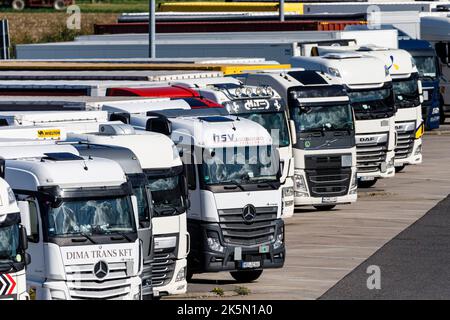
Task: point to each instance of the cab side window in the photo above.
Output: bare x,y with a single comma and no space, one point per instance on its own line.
34,222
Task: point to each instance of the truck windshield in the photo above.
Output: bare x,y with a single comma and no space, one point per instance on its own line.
238,165
91,216
323,118
167,194
406,92
274,122
372,103
9,242
426,65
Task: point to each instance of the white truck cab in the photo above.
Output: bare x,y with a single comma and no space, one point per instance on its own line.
171,239
83,223
263,105
369,86
234,190
407,94
324,126
13,245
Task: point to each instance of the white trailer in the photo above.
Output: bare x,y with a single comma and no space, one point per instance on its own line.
83,223
325,152
372,99
13,245
264,106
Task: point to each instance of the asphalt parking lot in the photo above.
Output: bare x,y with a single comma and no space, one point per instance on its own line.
324,247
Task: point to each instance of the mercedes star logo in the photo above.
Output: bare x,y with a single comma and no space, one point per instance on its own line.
249,213
101,269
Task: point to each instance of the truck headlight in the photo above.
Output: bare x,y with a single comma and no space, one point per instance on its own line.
279,240
418,150
287,192
214,242
181,275
58,294
391,162
299,183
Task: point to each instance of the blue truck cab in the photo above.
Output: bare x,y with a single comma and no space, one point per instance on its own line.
429,73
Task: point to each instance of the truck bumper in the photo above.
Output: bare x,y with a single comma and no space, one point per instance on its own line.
231,257
311,201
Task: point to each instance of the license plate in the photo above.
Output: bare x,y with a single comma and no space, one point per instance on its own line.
329,199
250,264
367,178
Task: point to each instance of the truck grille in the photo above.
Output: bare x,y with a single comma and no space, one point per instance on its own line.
237,231
328,182
163,266
405,144
370,157
83,284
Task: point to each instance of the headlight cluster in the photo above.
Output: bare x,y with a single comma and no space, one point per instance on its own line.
287,192
11,196
181,275
418,150
214,242
391,162
300,186
280,239
243,92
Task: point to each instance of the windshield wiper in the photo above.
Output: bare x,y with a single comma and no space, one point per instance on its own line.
169,206
86,236
124,235
232,185
269,182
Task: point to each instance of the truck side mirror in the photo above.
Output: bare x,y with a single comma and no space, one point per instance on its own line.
159,125
23,238
27,259
293,131
120,116
135,209
24,207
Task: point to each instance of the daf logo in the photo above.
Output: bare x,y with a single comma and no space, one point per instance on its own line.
369,139
249,213
101,269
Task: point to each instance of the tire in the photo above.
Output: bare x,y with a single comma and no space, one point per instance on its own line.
246,276
18,5
366,184
325,208
400,169
59,5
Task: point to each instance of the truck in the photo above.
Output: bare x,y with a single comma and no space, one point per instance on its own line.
13,245
407,90
82,220
170,244
260,104
427,64
324,127
233,178
372,99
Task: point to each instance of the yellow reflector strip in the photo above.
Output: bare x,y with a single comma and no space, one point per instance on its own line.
228,7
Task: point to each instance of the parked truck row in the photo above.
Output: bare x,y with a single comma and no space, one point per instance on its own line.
126,189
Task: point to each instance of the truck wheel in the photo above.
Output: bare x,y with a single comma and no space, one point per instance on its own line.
246,276
399,169
59,5
325,208
366,184
18,5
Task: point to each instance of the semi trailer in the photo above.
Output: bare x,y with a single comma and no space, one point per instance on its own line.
372,99
13,244
324,126
83,238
